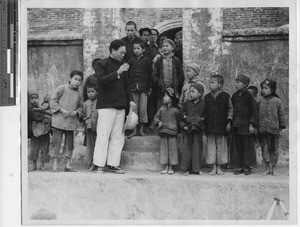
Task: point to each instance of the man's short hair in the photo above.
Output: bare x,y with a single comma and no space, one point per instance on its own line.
140,42
153,29
116,44
219,78
95,61
144,30
131,23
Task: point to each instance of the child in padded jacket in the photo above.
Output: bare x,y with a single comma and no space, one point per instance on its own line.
271,121
167,121
191,119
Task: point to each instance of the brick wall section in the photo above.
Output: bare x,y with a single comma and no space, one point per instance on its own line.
150,17
44,20
238,18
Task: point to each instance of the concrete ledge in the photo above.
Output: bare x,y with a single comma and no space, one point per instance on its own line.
84,196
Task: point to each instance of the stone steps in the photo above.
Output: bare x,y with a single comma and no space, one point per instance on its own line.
84,196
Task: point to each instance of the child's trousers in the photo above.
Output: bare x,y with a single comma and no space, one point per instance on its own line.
217,149
168,154
141,99
269,147
192,151
56,143
242,151
90,144
38,144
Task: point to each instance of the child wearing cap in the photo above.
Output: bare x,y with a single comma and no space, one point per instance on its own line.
39,127
191,119
192,71
218,116
271,121
167,71
243,127
167,121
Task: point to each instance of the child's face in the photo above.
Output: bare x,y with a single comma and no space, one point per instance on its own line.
167,99
75,81
167,48
252,92
265,90
153,37
178,39
145,36
194,93
214,85
130,31
190,73
34,99
137,49
239,85
91,93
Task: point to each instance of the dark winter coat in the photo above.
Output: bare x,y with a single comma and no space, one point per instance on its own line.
112,91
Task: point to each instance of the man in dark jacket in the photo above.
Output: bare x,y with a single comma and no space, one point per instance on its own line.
113,97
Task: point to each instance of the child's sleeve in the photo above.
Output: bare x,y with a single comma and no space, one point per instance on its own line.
79,109
281,115
157,117
155,73
253,110
34,115
54,102
182,115
230,109
180,76
101,75
149,64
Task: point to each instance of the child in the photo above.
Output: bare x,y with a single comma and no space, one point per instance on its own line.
140,71
145,34
243,130
218,115
178,47
167,71
92,79
191,118
38,132
192,71
167,120
66,105
90,117
271,121
130,37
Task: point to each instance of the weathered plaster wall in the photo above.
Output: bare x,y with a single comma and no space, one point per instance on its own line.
202,39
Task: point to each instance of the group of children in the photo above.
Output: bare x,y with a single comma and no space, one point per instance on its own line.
164,100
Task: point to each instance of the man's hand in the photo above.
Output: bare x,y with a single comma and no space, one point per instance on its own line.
159,124
185,128
132,105
251,129
228,127
123,68
150,91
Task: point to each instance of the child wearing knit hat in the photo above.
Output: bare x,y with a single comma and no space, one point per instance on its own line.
167,71
243,127
271,121
39,126
192,72
191,119
166,119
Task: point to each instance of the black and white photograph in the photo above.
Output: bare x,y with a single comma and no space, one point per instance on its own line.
139,112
